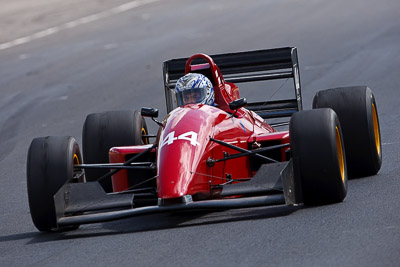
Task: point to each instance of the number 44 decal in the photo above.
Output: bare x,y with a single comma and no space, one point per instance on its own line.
189,136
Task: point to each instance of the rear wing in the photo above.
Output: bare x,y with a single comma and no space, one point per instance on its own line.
252,66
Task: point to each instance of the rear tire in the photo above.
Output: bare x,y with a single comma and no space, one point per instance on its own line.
101,131
318,156
50,165
358,115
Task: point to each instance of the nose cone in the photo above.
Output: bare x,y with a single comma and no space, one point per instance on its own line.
177,167
181,148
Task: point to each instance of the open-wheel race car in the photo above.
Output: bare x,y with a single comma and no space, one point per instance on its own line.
208,157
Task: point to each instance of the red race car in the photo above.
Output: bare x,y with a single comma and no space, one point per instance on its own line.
219,156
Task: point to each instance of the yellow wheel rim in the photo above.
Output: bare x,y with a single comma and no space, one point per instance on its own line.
76,159
340,153
78,173
376,129
145,139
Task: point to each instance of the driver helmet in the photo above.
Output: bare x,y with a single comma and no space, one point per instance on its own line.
194,88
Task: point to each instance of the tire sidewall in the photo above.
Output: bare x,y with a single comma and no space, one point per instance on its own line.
376,158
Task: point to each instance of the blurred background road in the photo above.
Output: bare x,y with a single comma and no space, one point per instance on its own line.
61,60
19,18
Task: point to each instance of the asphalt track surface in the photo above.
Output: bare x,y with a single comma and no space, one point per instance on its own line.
50,84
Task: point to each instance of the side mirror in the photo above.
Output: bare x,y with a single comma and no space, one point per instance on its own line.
238,103
149,112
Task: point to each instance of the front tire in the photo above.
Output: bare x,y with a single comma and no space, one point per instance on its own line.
50,165
318,156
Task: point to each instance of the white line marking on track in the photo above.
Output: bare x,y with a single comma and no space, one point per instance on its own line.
393,143
78,22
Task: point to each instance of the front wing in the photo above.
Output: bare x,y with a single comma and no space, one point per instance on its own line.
85,203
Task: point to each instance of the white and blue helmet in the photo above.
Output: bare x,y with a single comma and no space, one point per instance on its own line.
194,88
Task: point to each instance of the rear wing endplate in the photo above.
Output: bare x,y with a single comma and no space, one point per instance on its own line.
251,66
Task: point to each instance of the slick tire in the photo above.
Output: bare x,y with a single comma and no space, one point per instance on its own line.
318,156
50,165
358,115
101,131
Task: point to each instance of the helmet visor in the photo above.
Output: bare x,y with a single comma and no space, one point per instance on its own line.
191,96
